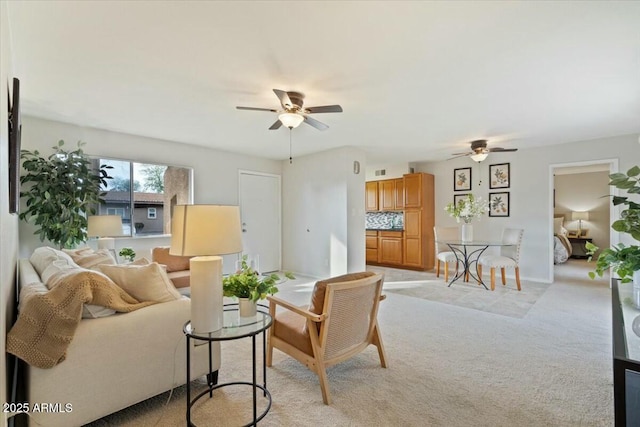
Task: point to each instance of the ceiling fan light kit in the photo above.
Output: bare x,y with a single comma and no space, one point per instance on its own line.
291,120
293,113
479,157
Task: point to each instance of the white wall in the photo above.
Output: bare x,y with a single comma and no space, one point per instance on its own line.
395,170
530,192
215,172
323,213
8,222
582,192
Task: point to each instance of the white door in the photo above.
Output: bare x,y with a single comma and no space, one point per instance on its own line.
260,214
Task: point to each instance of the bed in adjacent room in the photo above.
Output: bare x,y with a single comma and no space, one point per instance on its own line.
561,245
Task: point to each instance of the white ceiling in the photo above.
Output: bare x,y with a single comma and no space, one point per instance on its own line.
417,80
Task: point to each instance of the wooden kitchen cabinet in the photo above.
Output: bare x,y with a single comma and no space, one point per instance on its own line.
390,247
413,190
387,195
371,246
413,238
399,193
371,194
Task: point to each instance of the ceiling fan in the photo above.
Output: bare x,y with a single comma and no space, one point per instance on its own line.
479,151
293,113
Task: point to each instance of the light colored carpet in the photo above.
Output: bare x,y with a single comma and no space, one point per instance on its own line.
504,300
448,366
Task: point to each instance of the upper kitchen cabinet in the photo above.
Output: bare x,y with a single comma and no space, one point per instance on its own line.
399,193
387,194
413,190
371,196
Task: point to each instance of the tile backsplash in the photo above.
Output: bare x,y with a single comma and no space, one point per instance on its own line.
383,220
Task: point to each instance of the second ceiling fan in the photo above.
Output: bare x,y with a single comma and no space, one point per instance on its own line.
479,151
293,112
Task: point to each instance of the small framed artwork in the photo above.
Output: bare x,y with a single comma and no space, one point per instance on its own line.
499,204
500,176
584,233
458,197
462,179
572,234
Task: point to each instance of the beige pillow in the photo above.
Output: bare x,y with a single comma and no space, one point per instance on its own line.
557,225
91,259
42,257
143,282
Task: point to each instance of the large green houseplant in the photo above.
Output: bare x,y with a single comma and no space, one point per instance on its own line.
622,259
60,191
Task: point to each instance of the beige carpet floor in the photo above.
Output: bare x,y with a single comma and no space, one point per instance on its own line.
449,365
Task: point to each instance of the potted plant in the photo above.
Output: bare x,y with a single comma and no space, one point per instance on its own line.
60,191
466,210
128,254
622,259
249,287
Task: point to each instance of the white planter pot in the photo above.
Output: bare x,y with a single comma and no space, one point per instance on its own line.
247,307
636,289
466,233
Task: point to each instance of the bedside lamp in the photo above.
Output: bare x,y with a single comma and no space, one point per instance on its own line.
579,216
104,227
205,232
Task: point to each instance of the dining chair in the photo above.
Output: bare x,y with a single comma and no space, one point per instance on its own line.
443,251
509,257
340,322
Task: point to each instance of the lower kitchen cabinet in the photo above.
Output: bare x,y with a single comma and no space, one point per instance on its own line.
390,247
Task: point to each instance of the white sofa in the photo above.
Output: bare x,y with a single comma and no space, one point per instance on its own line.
114,362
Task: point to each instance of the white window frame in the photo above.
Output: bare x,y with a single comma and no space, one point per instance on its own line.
152,213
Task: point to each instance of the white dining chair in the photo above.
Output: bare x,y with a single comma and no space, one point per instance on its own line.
509,257
443,251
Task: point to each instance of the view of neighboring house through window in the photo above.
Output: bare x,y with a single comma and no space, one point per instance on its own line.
143,195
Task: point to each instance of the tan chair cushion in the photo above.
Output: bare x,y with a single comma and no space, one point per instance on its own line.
291,328
180,279
319,290
161,255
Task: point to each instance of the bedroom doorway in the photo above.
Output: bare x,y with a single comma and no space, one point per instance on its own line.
580,213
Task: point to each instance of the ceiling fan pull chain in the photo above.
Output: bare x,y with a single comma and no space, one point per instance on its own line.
290,158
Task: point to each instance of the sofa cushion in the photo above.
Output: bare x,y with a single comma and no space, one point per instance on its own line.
143,282
161,255
180,279
90,259
42,257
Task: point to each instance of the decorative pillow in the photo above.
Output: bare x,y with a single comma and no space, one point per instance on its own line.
161,255
42,257
140,261
92,259
557,225
143,282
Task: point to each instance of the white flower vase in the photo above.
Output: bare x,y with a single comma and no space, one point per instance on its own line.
466,232
247,307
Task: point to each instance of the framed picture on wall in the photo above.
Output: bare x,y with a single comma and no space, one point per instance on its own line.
499,204
462,179
458,197
499,176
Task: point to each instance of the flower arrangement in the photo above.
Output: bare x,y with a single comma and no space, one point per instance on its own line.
128,254
247,283
467,208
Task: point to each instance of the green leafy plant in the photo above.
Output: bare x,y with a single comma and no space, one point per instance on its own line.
60,191
467,208
247,283
623,260
128,254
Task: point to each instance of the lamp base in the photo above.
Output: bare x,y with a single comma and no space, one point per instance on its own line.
206,294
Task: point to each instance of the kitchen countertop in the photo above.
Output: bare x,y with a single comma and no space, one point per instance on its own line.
385,229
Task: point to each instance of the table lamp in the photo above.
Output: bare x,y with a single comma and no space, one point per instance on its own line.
205,232
579,216
104,227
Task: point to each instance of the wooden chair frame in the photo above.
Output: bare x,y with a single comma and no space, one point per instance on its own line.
319,361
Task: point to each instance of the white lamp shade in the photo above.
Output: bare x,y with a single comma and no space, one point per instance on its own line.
104,226
198,230
580,216
478,157
291,120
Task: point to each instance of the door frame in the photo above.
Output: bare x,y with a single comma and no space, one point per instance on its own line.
614,236
279,202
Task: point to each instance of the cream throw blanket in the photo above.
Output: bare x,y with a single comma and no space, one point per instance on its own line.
47,321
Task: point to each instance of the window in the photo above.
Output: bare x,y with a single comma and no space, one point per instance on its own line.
142,194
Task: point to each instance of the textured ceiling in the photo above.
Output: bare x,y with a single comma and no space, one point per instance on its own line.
417,80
